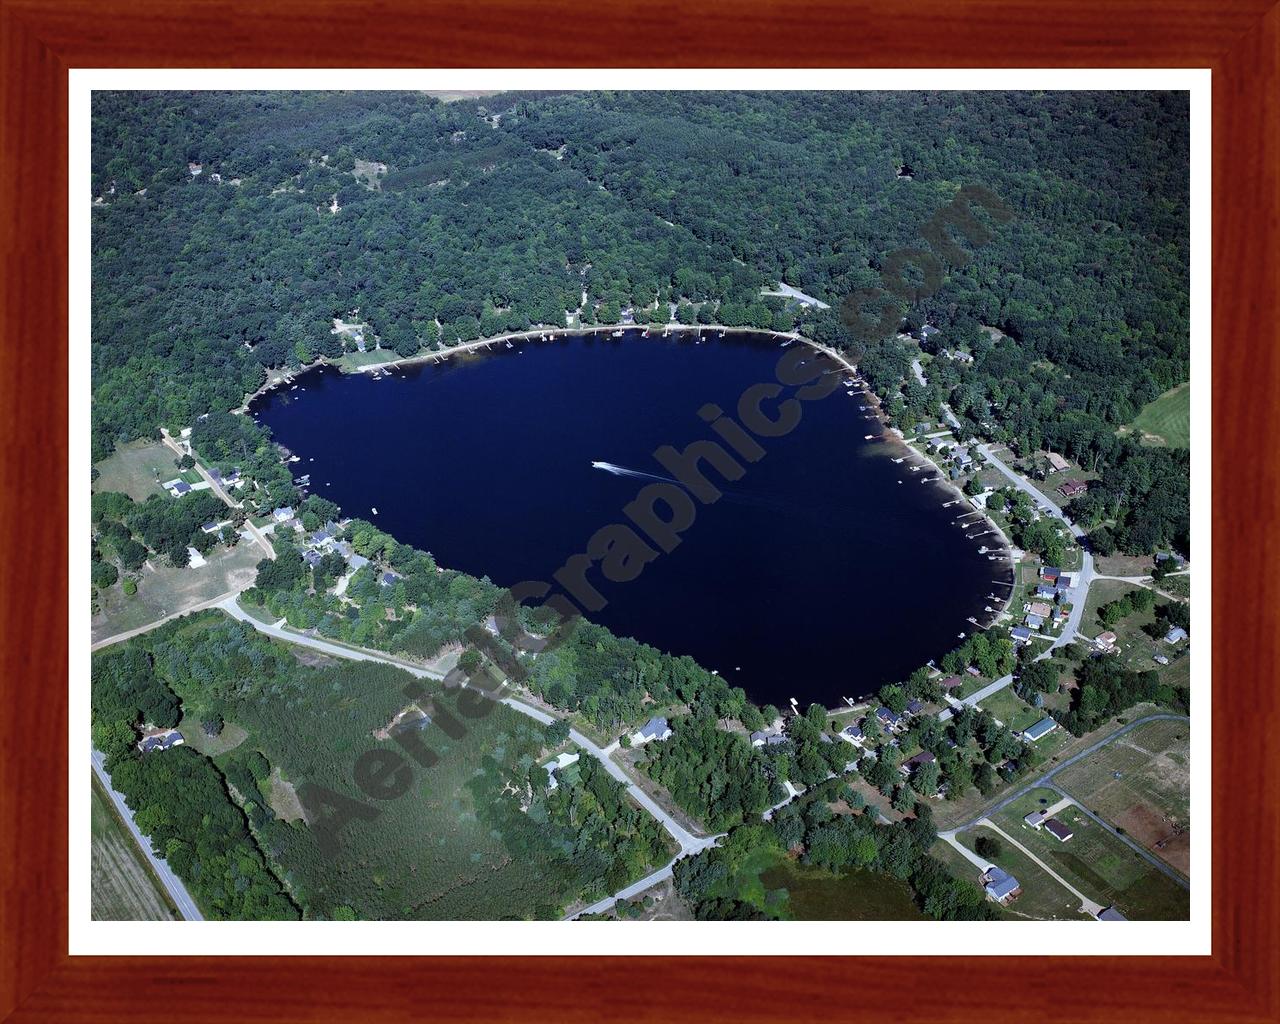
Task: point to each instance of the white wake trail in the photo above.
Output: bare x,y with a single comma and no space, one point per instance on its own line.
609,467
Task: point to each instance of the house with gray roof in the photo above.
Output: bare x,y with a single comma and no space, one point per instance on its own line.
1000,885
1041,729
654,729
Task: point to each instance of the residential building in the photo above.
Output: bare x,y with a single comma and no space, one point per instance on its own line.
1050,572
558,764
1057,829
1041,609
654,729
1073,488
1020,634
888,718
1105,641
1041,729
1034,621
951,683
1111,914
1035,819
1057,463
160,739
914,707
282,514
1175,635
1000,885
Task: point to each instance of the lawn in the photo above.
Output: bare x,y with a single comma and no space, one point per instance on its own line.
1136,649
1102,867
1167,420
1141,784
1011,709
137,469
1042,898
164,590
123,887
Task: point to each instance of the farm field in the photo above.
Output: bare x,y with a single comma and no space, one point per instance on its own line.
123,887
1101,866
1167,420
135,468
164,590
1141,784
1042,898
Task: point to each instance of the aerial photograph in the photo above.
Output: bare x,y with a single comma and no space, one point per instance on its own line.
662,505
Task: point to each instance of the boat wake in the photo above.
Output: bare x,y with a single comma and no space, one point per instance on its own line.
609,467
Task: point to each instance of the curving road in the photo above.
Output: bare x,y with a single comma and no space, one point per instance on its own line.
172,883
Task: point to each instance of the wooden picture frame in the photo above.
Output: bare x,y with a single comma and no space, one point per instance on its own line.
42,39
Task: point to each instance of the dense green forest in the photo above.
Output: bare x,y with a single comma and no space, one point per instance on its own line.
500,213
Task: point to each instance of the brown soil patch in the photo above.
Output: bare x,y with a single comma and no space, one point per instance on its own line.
1161,835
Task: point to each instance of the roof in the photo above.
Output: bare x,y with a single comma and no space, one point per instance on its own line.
1035,819
1041,728
358,561
1046,591
951,682
1175,634
388,579
1021,632
924,757
1106,639
999,883
181,487
1058,828
312,558
1041,609
283,512
886,715
915,707
852,731
1057,461
654,727
1111,914
1034,621
1050,572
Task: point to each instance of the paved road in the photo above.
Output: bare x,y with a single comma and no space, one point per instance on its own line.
635,889
689,843
1090,907
172,883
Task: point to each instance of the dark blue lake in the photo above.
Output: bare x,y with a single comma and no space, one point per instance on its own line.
818,576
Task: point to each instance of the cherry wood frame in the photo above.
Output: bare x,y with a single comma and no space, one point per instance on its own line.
40,39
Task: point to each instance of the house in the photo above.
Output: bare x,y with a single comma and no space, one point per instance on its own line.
1175,635
357,561
768,737
1041,609
388,579
1073,488
887,718
1168,556
914,707
654,729
1160,659
1035,819
1111,914
1020,634
962,457
1041,729
1057,829
1000,885
1049,572
319,537
312,558
852,733
912,763
160,739
1066,579
558,764
1105,641
1047,592
973,671
194,167
958,356
951,683
1033,621
282,514
194,559
1057,462
177,487
928,331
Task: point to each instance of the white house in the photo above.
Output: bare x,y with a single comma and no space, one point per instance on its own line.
561,761
654,729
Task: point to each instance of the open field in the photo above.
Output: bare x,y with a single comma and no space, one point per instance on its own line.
123,887
1101,866
1011,709
1141,784
1042,898
134,469
164,590
1167,420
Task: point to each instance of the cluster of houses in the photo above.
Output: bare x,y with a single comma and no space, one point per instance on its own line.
1039,820
960,456
1049,607
890,721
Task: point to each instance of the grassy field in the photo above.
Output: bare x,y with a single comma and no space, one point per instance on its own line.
1042,898
1141,784
135,468
1101,866
164,590
1135,648
1011,709
123,887
1167,420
